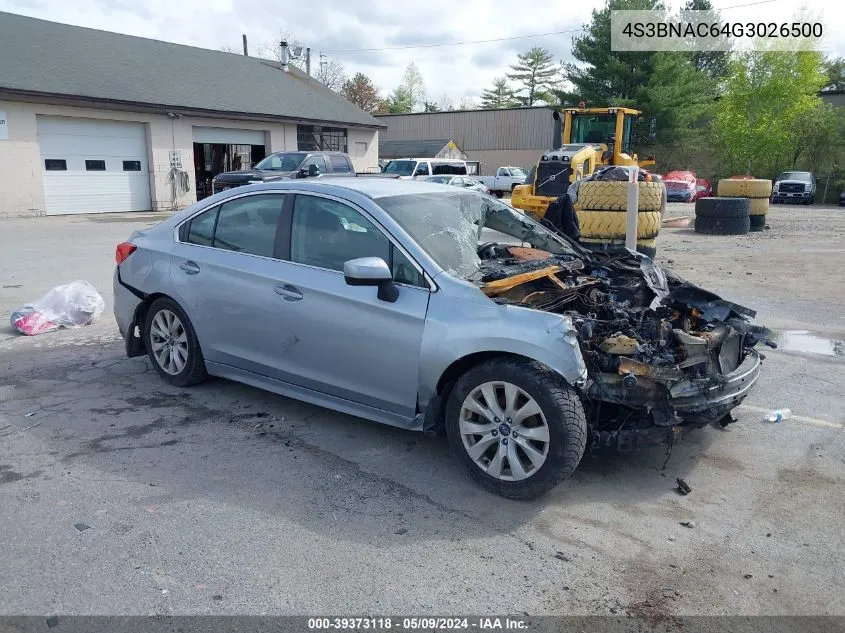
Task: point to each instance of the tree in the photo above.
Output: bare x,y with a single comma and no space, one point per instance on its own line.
768,95
361,91
230,49
499,96
536,72
413,85
714,63
834,70
398,102
430,106
296,50
467,103
331,74
445,102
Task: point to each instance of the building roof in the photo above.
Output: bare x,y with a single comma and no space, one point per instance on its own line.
48,59
408,149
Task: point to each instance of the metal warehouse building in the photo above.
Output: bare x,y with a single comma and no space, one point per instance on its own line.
92,121
512,136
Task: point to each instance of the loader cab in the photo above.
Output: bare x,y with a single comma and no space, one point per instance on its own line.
611,127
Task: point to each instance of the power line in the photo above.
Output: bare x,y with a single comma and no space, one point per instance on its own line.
498,39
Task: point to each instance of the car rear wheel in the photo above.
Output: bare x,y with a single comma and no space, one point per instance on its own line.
518,428
172,344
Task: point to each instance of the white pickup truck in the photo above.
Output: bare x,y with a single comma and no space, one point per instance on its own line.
505,180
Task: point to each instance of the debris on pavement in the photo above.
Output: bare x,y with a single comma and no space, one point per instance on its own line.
71,305
401,531
81,526
683,487
689,524
563,557
748,576
778,415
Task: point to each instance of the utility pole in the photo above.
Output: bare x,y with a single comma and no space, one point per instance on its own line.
246,52
323,63
308,61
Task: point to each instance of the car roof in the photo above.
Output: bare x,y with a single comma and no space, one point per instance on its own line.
374,187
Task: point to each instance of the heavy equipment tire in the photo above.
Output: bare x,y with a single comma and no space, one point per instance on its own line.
614,224
646,247
758,206
758,222
612,195
722,226
722,207
549,444
756,188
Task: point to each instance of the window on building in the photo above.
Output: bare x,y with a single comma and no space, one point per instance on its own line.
55,164
315,138
131,165
95,165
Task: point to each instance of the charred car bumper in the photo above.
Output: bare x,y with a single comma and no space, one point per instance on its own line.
712,398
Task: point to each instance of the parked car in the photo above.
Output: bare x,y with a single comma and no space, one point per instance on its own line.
794,186
703,188
414,168
505,180
374,298
842,199
681,186
286,165
459,181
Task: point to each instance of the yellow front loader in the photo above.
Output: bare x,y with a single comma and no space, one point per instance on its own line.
584,139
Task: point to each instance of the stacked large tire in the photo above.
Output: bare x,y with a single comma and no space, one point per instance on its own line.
603,217
756,190
722,216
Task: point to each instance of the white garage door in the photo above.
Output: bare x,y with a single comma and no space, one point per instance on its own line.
93,166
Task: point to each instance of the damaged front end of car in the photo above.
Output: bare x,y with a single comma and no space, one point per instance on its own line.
662,354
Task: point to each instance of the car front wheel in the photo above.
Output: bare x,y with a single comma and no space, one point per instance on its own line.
517,426
172,344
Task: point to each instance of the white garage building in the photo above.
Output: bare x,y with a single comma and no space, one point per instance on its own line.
98,122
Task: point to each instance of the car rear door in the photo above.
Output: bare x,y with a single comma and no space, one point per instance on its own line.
225,270
344,340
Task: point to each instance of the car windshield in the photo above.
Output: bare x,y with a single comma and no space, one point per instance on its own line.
281,162
795,175
400,167
446,225
518,172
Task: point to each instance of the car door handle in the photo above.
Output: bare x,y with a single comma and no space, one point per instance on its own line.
288,292
189,267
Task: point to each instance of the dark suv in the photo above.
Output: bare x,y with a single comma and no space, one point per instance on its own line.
285,166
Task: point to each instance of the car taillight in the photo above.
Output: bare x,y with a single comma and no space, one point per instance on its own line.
124,250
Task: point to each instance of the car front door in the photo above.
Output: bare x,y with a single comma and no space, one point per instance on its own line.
344,340
225,272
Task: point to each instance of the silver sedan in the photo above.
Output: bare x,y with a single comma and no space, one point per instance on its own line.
373,297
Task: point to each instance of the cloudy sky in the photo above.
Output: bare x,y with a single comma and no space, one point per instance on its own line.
342,29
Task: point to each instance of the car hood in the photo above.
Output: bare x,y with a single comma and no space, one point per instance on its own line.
245,175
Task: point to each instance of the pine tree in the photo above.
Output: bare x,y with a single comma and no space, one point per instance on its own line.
499,96
537,74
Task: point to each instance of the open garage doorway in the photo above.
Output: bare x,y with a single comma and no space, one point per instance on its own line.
219,149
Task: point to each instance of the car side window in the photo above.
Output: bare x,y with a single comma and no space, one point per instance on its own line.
248,225
320,161
422,169
201,227
327,234
502,172
340,164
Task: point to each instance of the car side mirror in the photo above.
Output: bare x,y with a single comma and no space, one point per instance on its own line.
371,271
313,171
302,173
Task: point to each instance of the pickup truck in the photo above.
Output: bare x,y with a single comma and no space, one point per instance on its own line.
504,181
795,187
286,166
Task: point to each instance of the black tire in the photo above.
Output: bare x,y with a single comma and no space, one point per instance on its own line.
560,406
498,194
722,207
194,371
722,226
758,222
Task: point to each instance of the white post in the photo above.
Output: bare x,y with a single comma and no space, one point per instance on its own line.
633,208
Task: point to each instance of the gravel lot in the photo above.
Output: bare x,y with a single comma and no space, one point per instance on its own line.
121,495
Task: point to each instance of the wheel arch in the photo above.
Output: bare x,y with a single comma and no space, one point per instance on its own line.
138,346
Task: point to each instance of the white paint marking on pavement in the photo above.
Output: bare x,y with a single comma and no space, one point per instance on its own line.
801,419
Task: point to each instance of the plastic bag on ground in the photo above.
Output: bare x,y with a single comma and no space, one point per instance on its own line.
71,305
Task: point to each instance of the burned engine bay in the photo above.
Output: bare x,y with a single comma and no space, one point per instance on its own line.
662,354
